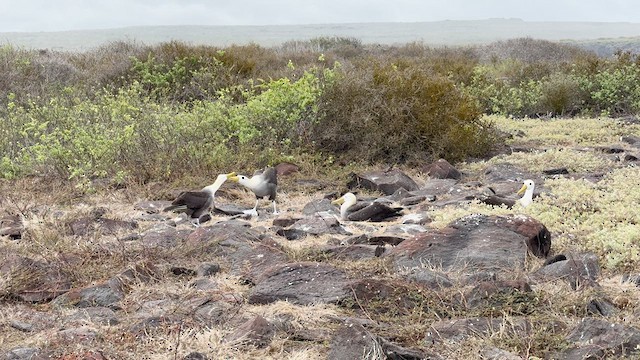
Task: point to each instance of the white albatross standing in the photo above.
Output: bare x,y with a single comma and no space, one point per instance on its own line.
197,203
262,184
527,190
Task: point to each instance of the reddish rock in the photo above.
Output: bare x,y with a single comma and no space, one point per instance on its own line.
286,168
441,169
475,242
301,283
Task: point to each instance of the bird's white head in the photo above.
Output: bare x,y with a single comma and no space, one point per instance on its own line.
219,181
527,189
345,201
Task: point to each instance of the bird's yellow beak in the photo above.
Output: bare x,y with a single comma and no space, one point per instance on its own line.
522,189
232,176
338,201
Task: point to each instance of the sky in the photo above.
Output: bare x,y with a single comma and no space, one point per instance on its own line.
61,15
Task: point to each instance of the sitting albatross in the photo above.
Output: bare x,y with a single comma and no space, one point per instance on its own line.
197,203
527,189
262,184
375,211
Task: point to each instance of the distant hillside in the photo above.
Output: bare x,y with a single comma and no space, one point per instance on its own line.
431,33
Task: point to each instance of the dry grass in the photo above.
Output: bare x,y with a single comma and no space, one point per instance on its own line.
582,216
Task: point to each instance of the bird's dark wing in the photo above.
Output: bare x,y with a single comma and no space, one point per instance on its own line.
195,201
271,175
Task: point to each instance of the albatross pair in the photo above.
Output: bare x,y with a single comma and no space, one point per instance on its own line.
198,203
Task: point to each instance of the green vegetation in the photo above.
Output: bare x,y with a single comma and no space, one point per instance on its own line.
134,113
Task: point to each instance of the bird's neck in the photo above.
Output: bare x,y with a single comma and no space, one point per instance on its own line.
253,182
215,186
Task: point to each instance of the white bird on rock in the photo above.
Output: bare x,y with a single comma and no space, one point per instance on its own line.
527,190
262,184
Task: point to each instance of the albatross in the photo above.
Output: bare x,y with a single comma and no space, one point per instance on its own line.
345,201
364,211
197,203
262,184
527,190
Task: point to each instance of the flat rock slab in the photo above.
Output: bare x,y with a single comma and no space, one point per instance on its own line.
301,283
475,242
387,182
577,269
319,225
598,339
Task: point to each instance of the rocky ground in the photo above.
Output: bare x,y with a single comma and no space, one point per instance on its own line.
452,270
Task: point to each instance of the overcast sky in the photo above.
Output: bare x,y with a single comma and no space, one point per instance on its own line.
58,15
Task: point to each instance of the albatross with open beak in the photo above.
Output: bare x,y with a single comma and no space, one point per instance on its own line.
262,184
527,190
197,203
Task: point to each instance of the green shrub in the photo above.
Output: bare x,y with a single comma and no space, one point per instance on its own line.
399,112
561,95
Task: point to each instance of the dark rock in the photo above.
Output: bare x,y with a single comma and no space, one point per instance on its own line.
355,239
154,324
99,224
475,242
578,270
631,157
353,252
319,206
318,225
458,330
33,281
386,295
286,168
441,169
601,307
26,353
505,172
429,278
517,294
195,356
416,218
213,313
285,221
398,195
96,315
596,339
21,326
291,234
244,251
610,149
12,226
352,341
499,354
301,283
105,294
631,139
386,239
204,284
435,187
375,212
182,271
555,258
556,171
415,200
387,182
80,334
257,332
142,273
168,237
207,269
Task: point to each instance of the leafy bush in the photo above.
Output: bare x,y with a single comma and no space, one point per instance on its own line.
399,112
